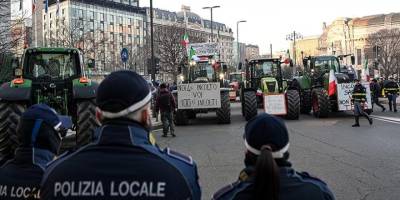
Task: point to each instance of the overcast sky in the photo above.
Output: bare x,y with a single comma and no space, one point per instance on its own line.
269,21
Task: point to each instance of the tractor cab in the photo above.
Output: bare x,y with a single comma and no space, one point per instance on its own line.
266,75
206,69
321,65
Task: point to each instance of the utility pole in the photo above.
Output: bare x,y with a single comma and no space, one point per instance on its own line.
237,40
293,37
153,70
211,10
270,48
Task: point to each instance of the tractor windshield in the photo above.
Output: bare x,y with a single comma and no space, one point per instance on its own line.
266,69
235,77
204,71
51,65
325,64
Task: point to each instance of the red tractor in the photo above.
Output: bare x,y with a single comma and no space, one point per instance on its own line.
235,80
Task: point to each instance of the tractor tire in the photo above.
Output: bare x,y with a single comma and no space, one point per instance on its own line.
249,106
10,114
191,115
293,104
320,103
181,118
86,122
305,102
224,113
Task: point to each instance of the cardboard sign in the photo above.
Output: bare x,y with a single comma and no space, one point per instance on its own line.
199,95
344,95
275,104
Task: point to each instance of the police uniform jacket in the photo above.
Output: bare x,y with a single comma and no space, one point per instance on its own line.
293,185
122,164
20,178
359,93
391,87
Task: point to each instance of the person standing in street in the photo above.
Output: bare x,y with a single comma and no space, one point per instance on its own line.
39,134
268,174
166,105
123,162
359,100
392,91
375,92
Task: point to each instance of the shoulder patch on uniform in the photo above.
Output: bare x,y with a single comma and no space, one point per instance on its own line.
221,192
179,156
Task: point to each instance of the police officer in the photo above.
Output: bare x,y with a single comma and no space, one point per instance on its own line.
359,100
391,91
165,103
375,92
123,162
39,134
268,173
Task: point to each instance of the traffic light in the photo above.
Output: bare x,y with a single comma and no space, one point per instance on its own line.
157,65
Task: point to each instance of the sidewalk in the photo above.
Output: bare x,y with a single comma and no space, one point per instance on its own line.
156,124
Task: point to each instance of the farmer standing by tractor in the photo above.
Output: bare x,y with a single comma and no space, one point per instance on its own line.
359,99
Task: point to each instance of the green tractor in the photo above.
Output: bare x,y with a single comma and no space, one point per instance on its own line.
264,79
314,82
56,77
203,90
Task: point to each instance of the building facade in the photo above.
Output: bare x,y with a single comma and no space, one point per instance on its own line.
349,36
252,51
101,28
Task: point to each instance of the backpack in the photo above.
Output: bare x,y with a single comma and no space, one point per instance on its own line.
165,101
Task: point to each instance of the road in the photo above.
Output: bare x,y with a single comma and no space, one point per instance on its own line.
357,163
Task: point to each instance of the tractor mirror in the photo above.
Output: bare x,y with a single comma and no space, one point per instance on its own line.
91,63
353,60
240,66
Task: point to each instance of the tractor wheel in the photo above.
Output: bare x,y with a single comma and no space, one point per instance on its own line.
191,115
224,113
249,106
10,114
293,104
305,102
86,122
320,103
181,118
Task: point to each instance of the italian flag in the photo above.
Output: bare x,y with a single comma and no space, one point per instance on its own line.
332,82
365,71
185,40
192,55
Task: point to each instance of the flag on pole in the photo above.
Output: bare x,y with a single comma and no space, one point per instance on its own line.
33,6
332,82
365,71
185,40
46,6
192,55
58,8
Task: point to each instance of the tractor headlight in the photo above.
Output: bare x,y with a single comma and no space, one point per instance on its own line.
182,78
221,76
259,91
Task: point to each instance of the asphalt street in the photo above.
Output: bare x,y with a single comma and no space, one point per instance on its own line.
357,163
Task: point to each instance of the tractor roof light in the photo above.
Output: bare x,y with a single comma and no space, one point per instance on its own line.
18,81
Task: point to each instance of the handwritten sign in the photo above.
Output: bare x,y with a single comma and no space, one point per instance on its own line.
275,104
345,91
205,49
199,95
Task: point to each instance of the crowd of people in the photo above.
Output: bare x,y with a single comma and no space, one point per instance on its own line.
124,162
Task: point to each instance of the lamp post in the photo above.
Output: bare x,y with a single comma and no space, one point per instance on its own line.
211,10
293,37
237,40
153,70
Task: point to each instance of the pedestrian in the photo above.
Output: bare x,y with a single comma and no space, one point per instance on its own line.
268,174
39,134
392,91
166,105
124,161
375,93
359,99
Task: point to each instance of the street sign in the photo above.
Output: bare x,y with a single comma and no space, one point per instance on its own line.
124,55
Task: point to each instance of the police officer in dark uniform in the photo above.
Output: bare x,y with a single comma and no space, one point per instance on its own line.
375,93
268,173
359,99
39,134
391,91
123,162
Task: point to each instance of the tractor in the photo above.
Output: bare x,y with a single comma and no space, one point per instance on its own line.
203,91
56,77
264,79
235,81
314,82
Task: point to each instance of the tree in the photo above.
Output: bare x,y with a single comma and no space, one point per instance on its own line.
387,43
169,49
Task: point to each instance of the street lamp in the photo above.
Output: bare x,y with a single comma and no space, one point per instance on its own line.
293,37
211,10
237,40
153,69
